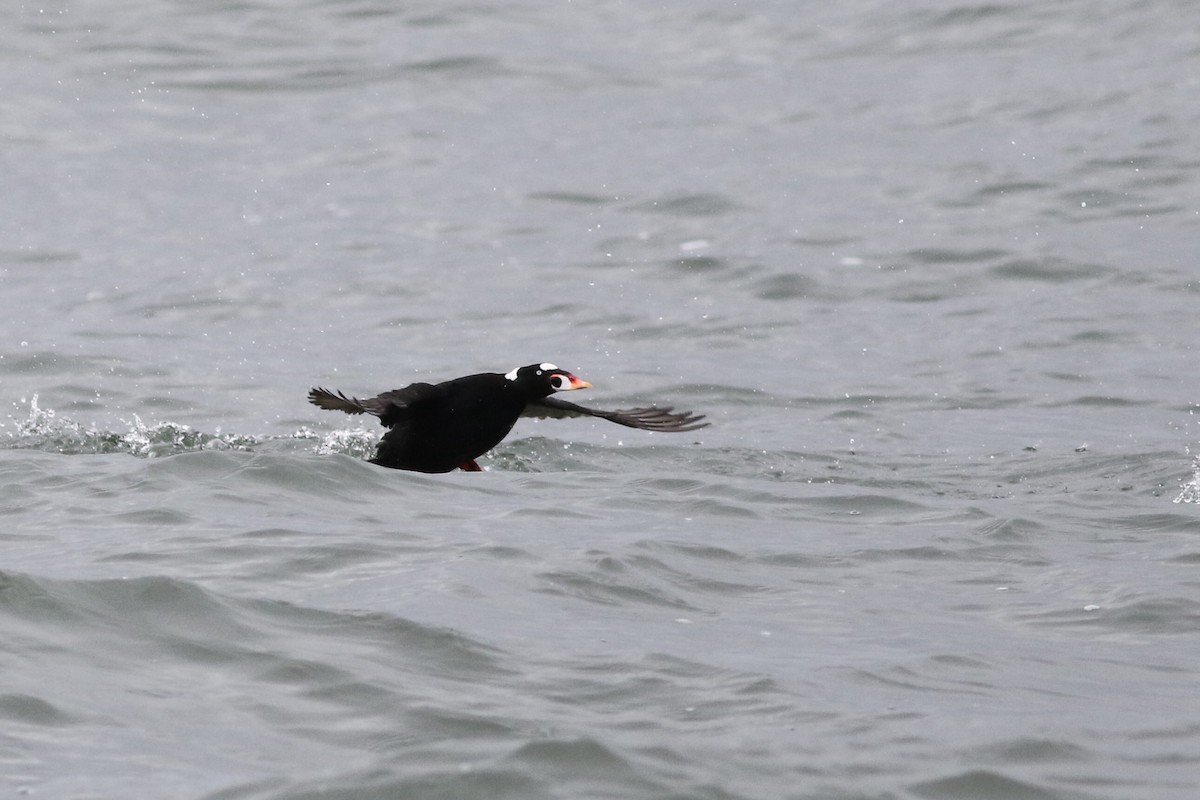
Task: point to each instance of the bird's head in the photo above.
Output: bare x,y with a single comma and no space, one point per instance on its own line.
541,380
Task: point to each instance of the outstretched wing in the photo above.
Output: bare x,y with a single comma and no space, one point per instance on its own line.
391,407
648,419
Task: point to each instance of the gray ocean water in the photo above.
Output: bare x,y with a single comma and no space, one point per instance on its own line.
931,268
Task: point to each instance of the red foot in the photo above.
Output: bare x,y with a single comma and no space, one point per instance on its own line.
470,466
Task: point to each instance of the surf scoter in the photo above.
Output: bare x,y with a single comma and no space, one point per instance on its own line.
446,426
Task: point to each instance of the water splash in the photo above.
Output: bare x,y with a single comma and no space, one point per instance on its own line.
43,429
1191,490
357,442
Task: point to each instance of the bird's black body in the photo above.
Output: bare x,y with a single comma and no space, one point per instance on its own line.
446,426
449,424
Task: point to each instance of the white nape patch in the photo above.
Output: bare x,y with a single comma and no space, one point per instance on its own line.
546,367
512,376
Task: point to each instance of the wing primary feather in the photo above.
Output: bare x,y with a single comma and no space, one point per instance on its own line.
663,419
392,408
331,401
657,419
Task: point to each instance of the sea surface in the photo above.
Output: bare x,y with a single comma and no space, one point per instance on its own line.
932,270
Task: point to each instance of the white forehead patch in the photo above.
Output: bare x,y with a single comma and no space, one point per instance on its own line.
546,367
512,376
